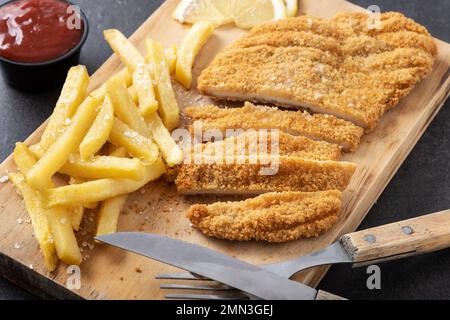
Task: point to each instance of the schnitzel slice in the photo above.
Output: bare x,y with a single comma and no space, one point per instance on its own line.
316,127
289,39
338,67
273,217
247,176
260,143
357,23
303,23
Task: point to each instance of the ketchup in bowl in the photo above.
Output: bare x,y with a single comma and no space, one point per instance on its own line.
37,30
40,40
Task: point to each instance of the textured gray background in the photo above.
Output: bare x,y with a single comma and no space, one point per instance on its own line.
421,186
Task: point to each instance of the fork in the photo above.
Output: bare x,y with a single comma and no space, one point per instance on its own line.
390,242
285,269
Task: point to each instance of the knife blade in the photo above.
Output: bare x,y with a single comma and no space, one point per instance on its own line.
211,264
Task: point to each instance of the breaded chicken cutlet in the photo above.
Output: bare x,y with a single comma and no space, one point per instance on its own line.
269,143
338,67
273,217
317,127
260,175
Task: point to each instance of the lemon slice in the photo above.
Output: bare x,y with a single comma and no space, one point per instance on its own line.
251,13
192,11
291,8
244,13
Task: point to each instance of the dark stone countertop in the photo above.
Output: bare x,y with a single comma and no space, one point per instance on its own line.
421,186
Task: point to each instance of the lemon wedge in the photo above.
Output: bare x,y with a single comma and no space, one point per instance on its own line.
291,8
244,13
251,13
192,11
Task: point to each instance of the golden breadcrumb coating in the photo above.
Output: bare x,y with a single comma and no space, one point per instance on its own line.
290,39
303,23
250,176
273,217
356,22
317,127
259,143
338,67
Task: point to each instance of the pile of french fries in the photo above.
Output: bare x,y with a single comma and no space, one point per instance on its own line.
109,143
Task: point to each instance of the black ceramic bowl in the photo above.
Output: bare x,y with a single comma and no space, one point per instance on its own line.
43,75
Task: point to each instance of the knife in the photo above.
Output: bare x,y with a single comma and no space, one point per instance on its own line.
394,241
213,265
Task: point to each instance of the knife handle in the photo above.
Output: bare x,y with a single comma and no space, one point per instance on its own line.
407,238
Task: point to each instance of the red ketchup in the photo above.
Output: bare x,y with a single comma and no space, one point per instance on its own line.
38,30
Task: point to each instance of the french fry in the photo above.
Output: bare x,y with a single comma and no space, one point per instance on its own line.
124,49
61,221
123,76
135,62
24,158
108,215
103,167
61,226
36,150
125,109
168,106
38,215
98,134
133,94
137,145
58,154
172,56
91,205
168,147
191,46
72,95
101,190
143,84
117,151
77,216
87,205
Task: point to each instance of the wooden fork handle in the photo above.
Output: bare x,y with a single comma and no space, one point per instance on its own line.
407,238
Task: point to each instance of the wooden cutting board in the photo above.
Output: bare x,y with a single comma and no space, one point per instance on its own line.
108,273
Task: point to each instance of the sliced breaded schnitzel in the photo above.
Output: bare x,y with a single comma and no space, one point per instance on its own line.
259,143
263,174
338,67
273,217
316,127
